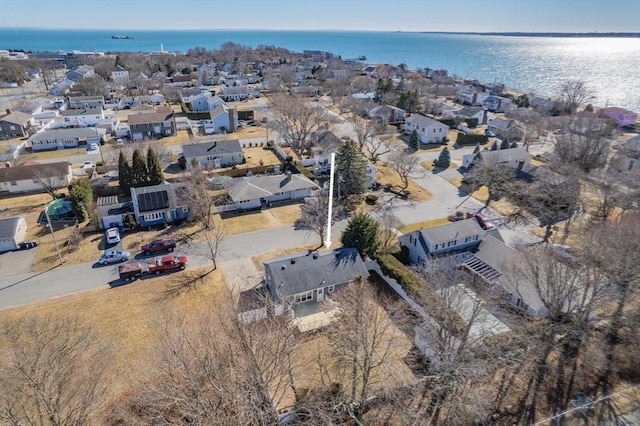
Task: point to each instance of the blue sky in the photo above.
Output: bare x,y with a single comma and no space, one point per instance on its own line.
376,15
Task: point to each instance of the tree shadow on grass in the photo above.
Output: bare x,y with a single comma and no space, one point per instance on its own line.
185,282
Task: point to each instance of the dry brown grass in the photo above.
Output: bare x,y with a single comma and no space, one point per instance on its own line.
254,155
127,316
429,165
236,222
180,138
48,155
386,175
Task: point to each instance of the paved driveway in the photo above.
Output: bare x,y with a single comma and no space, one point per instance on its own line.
240,275
16,262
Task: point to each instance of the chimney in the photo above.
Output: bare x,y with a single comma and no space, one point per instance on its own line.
8,111
288,175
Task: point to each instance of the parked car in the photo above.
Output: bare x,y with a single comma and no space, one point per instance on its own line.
132,270
119,141
157,246
88,165
92,147
112,235
26,245
114,256
484,222
489,133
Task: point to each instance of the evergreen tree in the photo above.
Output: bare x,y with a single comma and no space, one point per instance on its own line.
81,197
153,168
504,144
476,149
494,147
362,234
514,144
139,173
414,142
351,168
444,160
124,173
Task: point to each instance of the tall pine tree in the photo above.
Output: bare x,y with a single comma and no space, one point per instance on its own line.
124,172
444,160
139,173
351,168
504,144
153,168
413,140
362,234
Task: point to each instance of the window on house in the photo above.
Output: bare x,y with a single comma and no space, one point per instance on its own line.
331,289
14,183
153,216
303,297
12,127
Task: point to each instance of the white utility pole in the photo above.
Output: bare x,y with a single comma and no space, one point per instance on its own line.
327,242
53,234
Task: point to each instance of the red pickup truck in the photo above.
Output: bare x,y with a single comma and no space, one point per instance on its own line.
157,246
132,270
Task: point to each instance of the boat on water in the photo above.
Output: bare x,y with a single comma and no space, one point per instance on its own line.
121,37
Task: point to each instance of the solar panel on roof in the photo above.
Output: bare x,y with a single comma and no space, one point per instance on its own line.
153,201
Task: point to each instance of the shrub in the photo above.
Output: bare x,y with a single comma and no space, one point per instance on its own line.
471,139
99,163
301,169
472,123
371,199
393,268
449,122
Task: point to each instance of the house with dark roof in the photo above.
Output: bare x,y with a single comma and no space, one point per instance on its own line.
15,125
497,104
154,123
158,204
387,114
12,232
52,139
81,72
480,252
83,116
22,179
428,129
477,112
253,192
120,74
214,154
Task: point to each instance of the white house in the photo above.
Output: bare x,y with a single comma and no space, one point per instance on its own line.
428,129
65,138
514,158
387,114
89,116
479,113
12,232
215,154
223,118
497,104
256,191
120,75
235,93
23,178
83,102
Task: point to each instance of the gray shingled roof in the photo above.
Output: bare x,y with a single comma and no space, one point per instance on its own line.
505,155
254,187
17,118
8,226
423,121
63,134
452,231
211,148
301,272
14,174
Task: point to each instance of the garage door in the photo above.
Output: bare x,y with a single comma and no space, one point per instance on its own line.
136,136
6,244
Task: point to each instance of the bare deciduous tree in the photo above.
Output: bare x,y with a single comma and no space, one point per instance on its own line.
584,141
56,372
574,93
365,129
314,213
378,146
388,223
494,176
295,120
51,180
407,166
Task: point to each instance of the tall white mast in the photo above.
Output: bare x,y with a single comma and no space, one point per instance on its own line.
327,242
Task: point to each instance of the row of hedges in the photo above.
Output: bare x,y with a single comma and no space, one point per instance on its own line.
471,139
393,268
308,173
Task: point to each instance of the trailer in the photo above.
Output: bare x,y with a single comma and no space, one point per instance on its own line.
134,270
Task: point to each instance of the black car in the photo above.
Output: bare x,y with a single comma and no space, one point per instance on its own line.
27,245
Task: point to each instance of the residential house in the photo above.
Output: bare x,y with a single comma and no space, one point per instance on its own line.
305,91
428,129
86,102
467,95
155,123
201,102
15,125
158,204
111,211
22,179
13,230
543,104
467,112
514,158
464,244
52,139
622,117
120,75
83,116
627,157
61,88
179,80
387,114
31,108
497,104
223,118
500,127
235,93
256,191
531,173
214,154
83,71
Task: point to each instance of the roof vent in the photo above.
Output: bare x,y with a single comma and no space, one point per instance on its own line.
284,267
293,261
315,255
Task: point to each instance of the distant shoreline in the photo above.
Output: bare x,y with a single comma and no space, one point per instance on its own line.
538,34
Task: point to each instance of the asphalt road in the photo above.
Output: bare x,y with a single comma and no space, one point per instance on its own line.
64,280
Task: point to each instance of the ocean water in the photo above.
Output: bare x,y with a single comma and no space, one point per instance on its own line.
609,66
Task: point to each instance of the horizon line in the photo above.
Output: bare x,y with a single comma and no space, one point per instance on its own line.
519,32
